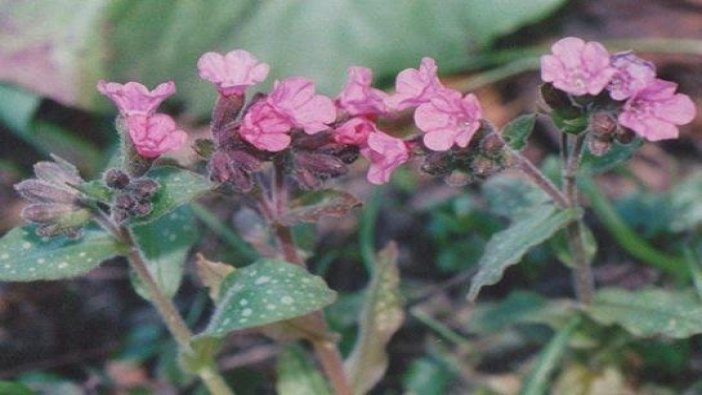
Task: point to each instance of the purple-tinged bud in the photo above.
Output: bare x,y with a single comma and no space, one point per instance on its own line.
144,188
45,212
119,215
125,202
311,169
492,145
599,147
57,173
224,116
36,190
625,135
603,125
556,99
437,163
116,179
142,208
483,167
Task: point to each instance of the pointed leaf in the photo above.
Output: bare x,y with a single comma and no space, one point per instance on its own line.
511,196
264,292
537,381
649,312
314,205
165,243
507,247
297,375
616,155
381,317
177,187
212,274
26,257
517,132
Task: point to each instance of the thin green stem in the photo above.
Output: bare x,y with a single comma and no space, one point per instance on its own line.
366,233
583,279
538,178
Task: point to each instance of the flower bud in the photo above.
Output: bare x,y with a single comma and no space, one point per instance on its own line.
437,163
625,135
599,147
603,125
492,145
125,202
36,190
60,172
142,208
116,179
45,212
144,188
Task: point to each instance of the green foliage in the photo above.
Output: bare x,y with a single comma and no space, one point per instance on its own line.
506,248
312,206
517,132
512,197
178,186
536,382
10,388
26,257
297,375
426,376
165,243
17,108
264,292
649,312
686,202
381,317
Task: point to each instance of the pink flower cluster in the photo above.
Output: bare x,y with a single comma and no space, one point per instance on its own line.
151,133
651,107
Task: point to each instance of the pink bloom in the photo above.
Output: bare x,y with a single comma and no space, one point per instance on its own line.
355,131
266,128
577,67
358,97
633,74
295,98
153,135
448,119
386,153
233,72
134,98
414,87
655,112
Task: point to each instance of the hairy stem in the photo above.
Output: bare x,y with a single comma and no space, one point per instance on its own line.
538,178
333,366
582,275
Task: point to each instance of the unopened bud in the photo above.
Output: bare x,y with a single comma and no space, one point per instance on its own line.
36,190
224,116
483,166
45,212
142,208
116,179
437,163
125,202
57,173
119,215
492,145
625,135
599,147
603,125
144,188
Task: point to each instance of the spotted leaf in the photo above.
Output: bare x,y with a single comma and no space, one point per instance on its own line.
264,292
24,256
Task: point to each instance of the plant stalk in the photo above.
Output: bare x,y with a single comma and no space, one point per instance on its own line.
538,178
582,275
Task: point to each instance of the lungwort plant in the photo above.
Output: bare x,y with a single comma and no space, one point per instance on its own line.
274,153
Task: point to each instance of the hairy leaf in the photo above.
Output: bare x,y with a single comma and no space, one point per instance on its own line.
517,132
507,247
212,274
381,317
649,312
24,256
264,292
511,196
297,375
616,155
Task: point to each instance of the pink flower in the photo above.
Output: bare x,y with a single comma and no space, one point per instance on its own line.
295,98
233,72
386,153
655,112
633,74
414,87
153,135
355,131
577,67
134,98
266,128
358,97
448,119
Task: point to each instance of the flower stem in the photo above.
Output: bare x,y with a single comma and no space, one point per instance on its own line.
582,275
538,178
167,310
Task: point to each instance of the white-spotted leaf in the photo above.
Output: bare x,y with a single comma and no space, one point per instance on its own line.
24,256
507,247
649,312
177,187
264,292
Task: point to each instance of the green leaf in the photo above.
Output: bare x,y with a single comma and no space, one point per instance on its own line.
10,388
165,243
649,312
17,108
517,132
212,274
314,205
537,380
297,375
507,247
96,190
264,292
511,196
26,257
617,154
559,245
427,376
578,379
381,317
686,201
177,187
